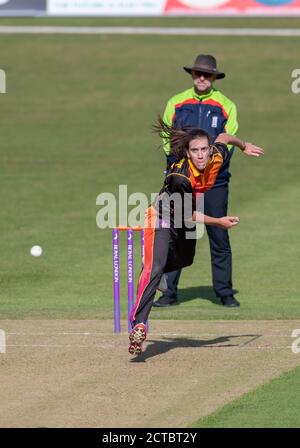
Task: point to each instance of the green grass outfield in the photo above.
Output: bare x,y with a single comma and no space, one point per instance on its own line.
273,405
76,122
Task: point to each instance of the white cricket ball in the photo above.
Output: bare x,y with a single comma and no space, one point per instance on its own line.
36,251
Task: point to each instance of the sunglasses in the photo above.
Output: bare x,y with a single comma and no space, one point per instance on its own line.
205,75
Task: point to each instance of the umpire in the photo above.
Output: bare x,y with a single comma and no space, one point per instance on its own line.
205,107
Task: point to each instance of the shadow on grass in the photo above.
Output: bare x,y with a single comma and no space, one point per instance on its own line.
199,292
156,348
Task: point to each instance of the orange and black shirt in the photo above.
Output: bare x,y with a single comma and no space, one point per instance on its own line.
183,177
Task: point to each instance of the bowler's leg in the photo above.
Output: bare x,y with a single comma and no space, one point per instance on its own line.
155,258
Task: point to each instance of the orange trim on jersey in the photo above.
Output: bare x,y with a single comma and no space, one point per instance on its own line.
145,277
201,182
195,170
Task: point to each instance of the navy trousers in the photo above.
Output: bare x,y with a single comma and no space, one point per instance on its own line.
215,205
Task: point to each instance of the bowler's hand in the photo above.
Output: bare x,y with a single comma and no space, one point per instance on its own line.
252,150
228,221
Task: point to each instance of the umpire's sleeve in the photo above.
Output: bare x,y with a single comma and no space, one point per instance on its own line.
232,121
167,118
232,124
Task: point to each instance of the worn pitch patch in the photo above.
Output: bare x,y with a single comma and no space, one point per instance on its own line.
60,373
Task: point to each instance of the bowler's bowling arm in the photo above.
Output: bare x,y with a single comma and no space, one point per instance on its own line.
248,148
225,222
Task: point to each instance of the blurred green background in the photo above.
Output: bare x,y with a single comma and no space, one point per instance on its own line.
76,121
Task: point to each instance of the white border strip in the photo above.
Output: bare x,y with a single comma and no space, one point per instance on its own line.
281,32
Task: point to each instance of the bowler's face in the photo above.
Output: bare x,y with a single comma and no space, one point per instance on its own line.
199,152
203,82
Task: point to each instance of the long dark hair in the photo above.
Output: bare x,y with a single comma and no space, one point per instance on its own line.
179,139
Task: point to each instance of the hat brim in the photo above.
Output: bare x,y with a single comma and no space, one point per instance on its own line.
219,75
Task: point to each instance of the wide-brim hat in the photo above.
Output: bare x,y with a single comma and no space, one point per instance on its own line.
207,64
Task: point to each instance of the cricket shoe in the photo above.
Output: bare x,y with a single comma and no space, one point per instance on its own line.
166,301
136,338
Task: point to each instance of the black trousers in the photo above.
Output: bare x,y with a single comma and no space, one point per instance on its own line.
215,205
165,249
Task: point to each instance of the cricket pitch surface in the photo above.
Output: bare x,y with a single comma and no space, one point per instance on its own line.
77,373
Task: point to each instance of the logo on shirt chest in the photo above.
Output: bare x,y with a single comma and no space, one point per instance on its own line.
214,122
